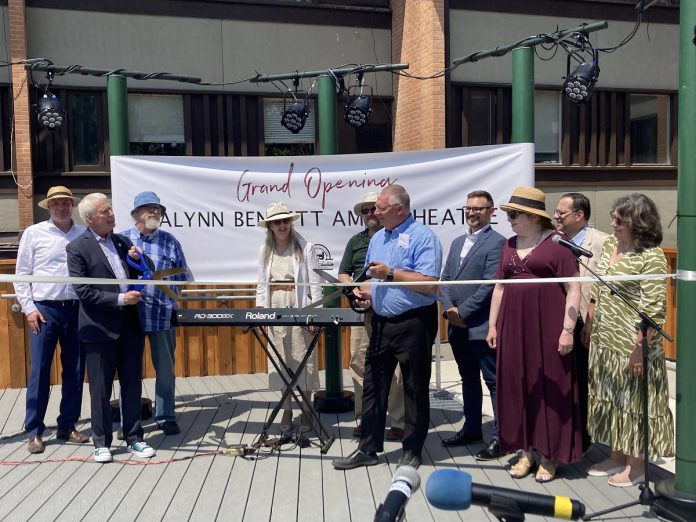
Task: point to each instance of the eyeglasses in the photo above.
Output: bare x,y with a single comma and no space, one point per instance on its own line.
382,210
366,211
615,219
558,212
514,214
476,210
153,209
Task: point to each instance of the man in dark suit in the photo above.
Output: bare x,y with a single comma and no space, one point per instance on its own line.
475,255
108,325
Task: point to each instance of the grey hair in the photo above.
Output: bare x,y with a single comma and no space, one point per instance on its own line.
398,196
86,207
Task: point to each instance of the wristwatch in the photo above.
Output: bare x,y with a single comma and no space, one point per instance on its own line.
390,274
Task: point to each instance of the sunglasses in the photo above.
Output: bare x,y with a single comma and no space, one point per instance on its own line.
514,214
283,221
616,219
366,211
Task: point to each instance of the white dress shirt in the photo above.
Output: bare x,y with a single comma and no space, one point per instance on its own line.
42,253
109,249
469,242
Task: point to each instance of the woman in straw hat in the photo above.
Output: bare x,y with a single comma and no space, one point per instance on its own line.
286,265
531,326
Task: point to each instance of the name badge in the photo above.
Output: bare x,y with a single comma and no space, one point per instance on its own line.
404,240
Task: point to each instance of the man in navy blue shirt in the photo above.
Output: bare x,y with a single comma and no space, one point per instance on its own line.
404,326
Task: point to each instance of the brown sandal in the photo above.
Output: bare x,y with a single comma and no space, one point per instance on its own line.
546,471
522,467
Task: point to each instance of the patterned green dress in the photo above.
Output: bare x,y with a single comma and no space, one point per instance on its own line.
615,403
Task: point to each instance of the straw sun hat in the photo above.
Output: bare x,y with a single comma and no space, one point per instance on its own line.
275,212
527,199
370,197
56,193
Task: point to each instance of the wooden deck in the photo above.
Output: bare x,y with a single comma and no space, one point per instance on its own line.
299,484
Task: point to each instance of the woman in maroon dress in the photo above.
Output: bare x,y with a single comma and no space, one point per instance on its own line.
531,326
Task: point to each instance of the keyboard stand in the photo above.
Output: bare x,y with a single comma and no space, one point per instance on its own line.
290,379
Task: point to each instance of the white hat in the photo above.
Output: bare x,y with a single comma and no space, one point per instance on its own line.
276,211
370,197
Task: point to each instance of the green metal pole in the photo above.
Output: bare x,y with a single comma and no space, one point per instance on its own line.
117,95
333,399
523,95
686,257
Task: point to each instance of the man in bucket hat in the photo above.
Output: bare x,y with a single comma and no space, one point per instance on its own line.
157,310
51,310
352,264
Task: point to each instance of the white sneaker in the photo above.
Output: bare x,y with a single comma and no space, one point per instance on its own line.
141,449
102,455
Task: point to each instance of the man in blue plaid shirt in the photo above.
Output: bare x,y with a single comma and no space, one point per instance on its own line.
156,309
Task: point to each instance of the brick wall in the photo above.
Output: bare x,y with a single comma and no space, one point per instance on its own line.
22,112
418,38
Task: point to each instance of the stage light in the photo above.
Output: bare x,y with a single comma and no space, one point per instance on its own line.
51,113
295,116
357,111
579,84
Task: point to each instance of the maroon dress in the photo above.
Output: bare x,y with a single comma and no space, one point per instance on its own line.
537,393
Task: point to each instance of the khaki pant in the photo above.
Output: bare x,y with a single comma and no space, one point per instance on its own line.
359,339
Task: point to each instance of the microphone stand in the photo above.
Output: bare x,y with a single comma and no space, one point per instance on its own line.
646,497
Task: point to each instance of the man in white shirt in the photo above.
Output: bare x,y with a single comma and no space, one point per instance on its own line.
572,216
51,310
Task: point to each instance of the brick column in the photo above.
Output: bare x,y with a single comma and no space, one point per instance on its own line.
418,38
22,113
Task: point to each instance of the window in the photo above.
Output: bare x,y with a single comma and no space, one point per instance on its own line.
649,117
5,127
481,117
156,124
546,126
85,129
278,140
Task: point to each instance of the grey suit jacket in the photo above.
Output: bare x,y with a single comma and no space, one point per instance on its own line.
472,301
594,240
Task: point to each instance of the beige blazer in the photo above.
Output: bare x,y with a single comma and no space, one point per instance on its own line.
594,240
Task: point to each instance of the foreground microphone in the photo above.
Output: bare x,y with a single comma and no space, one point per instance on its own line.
405,482
453,490
575,249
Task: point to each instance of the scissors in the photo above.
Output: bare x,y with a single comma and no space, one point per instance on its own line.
147,274
347,291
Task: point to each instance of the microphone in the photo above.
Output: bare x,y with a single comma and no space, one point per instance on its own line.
405,482
453,490
575,249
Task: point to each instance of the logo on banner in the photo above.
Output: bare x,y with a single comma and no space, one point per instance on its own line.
322,256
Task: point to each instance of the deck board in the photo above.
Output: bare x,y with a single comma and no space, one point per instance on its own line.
298,484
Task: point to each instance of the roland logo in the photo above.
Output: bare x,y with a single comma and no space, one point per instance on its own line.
261,316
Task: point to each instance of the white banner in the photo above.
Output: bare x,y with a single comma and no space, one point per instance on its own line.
214,203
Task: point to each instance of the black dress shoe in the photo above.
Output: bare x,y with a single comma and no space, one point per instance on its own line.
356,459
410,459
460,439
169,427
490,452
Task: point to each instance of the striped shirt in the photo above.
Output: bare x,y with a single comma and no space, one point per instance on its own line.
156,308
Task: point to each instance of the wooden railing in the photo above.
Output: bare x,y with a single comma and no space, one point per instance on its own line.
217,350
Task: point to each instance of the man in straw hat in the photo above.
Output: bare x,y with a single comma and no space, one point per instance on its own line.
51,310
352,264
157,310
404,326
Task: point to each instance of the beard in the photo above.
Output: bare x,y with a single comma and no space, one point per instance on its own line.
152,223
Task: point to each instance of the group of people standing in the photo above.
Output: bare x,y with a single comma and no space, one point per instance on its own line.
100,327
561,361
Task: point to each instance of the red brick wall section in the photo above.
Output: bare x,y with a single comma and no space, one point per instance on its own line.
418,38
22,112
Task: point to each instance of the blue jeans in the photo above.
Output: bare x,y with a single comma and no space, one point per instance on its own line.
162,345
474,356
61,325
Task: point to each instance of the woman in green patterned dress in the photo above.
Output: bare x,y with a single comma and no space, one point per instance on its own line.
612,332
